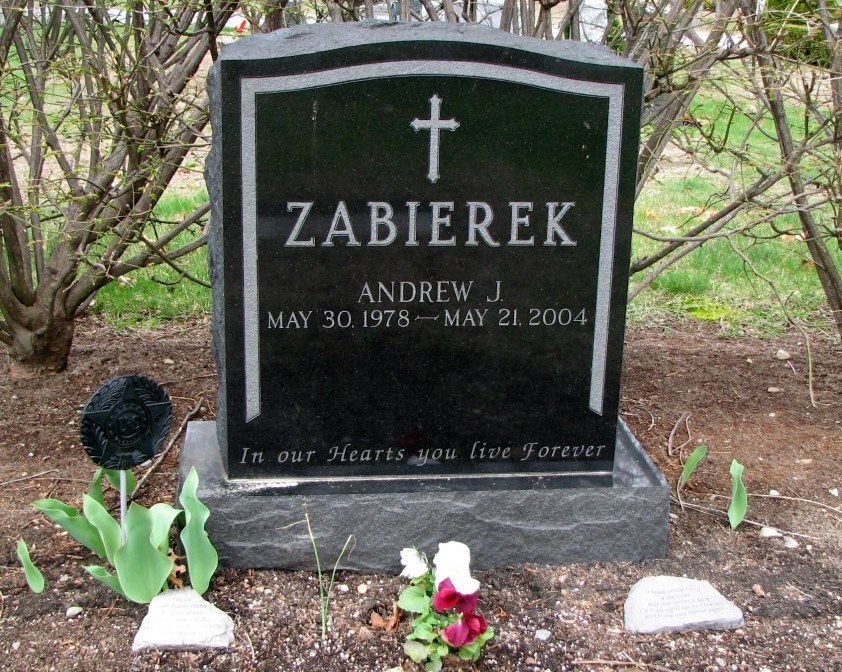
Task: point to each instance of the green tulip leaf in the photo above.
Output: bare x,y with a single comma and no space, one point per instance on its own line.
162,516
202,559
103,576
690,465
113,477
95,491
141,568
739,497
34,577
76,525
106,526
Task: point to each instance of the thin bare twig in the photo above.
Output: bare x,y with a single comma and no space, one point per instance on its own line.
622,663
719,513
685,418
795,499
28,478
248,639
187,418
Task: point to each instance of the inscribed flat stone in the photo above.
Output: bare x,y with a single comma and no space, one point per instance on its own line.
181,619
672,604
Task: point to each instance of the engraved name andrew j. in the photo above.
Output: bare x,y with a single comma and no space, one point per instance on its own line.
519,228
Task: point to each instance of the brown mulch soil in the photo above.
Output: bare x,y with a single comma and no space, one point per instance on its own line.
791,597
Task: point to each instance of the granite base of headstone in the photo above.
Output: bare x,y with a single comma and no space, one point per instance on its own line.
674,604
253,522
181,620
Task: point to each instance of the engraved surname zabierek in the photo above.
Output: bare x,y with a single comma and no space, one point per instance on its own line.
522,218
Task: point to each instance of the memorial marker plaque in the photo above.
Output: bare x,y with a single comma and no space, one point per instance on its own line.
419,250
425,251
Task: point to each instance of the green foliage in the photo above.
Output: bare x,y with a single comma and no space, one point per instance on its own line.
141,564
202,558
142,567
157,294
414,599
799,40
425,644
690,465
76,525
34,577
739,497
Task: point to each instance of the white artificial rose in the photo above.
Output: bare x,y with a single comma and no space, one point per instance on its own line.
453,561
414,563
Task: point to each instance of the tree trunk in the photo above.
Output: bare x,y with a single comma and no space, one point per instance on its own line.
42,350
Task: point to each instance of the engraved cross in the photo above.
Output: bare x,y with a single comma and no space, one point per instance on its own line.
434,124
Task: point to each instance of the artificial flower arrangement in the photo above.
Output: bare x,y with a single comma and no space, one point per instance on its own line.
445,600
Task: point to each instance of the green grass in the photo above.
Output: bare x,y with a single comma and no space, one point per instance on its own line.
153,295
713,284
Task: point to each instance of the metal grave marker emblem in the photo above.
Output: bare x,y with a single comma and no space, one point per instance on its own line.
125,422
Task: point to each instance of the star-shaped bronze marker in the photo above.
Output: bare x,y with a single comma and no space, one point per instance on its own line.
125,422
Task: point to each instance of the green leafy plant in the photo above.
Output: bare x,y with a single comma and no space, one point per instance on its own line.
142,563
325,589
34,577
445,601
739,497
690,465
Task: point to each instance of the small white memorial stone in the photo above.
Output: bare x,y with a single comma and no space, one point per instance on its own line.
181,619
673,604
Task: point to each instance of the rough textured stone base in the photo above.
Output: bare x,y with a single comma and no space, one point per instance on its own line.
256,524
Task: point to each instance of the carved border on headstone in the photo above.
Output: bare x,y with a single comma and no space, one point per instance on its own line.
251,87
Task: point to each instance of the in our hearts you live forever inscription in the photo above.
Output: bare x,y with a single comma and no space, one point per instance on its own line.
424,253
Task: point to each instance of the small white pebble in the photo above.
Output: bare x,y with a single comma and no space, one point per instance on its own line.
543,635
15,646
834,492
774,493
774,390
168,361
789,542
769,532
362,589
73,612
342,587
771,415
782,355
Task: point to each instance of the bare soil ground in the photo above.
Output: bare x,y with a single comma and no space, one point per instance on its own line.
791,597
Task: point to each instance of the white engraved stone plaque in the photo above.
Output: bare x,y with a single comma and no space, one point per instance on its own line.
673,604
181,620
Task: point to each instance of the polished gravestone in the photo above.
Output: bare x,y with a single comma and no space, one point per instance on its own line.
419,252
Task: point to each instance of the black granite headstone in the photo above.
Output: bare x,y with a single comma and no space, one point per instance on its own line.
419,250
426,248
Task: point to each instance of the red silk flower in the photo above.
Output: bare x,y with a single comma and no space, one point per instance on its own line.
447,598
465,630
